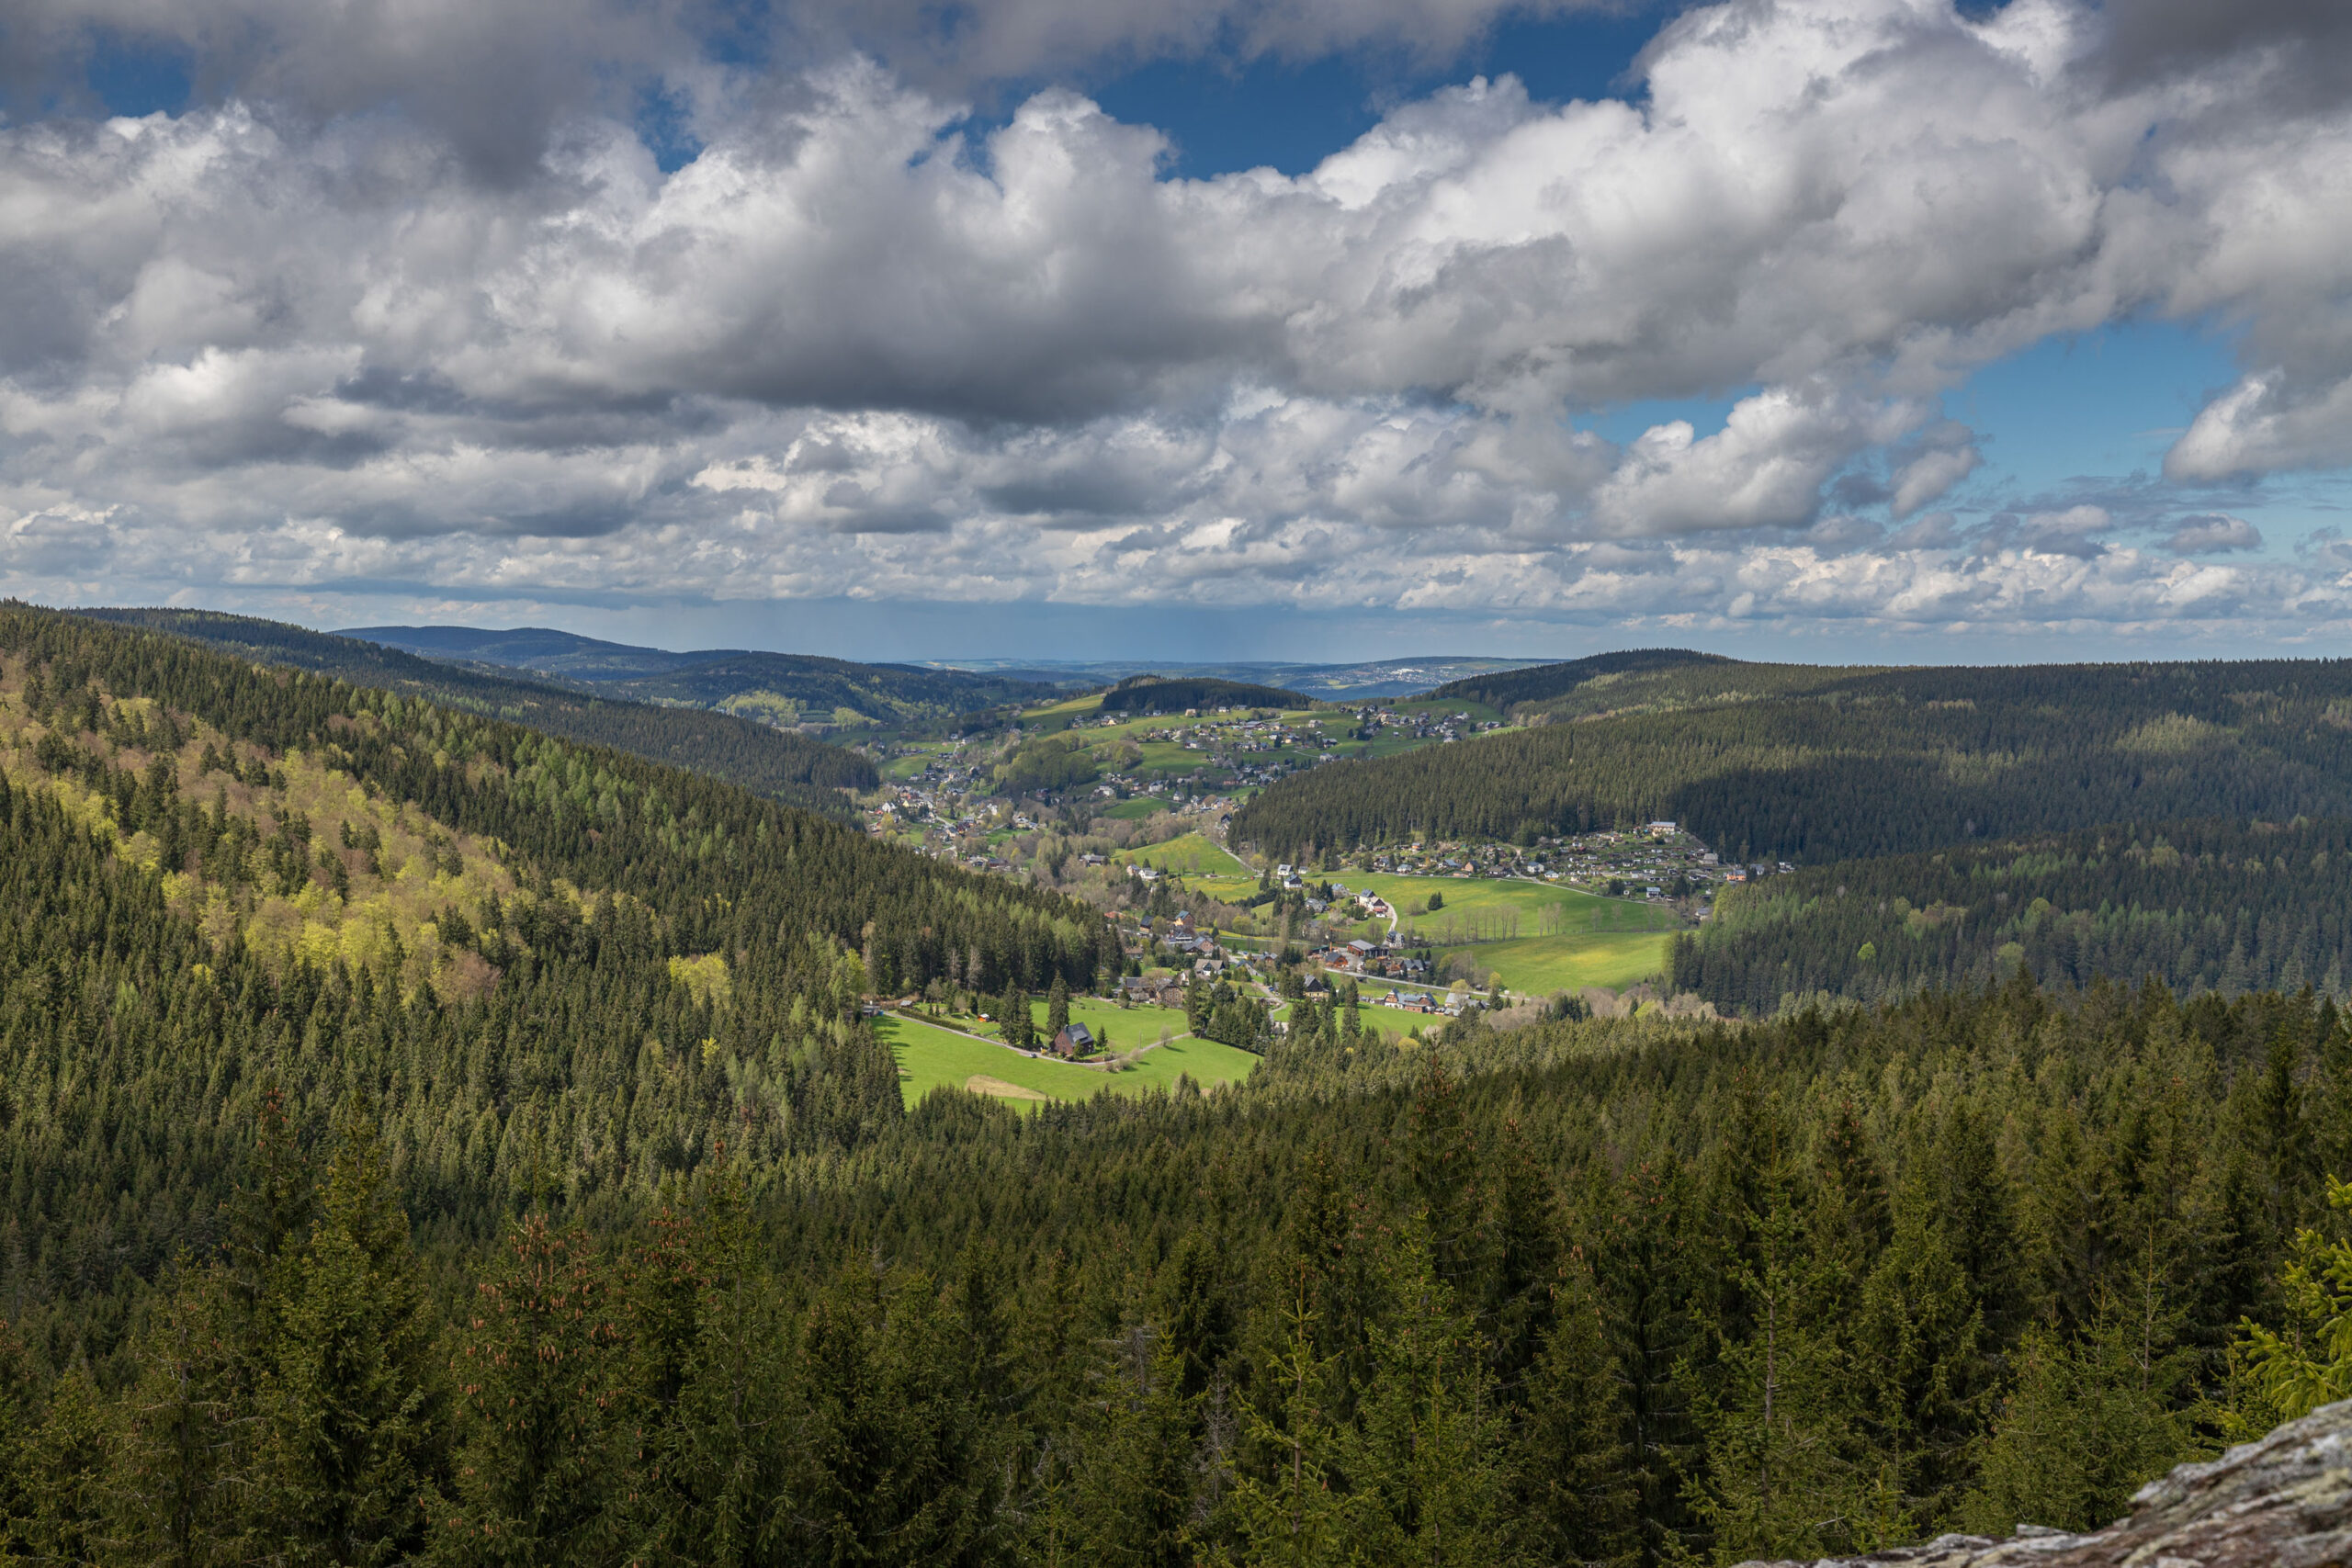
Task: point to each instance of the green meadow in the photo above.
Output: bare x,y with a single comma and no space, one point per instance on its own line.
931,1057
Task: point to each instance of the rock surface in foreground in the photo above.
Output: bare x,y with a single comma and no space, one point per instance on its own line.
2284,1502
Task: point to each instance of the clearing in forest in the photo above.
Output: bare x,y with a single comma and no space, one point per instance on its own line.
929,1058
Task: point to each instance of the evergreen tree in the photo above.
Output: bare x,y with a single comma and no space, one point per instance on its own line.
2087,1423
1056,1008
537,1373
351,1404
175,1487
1426,1458
1574,1492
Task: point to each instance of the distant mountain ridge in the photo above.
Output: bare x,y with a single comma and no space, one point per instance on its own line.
783,689
1412,677
758,757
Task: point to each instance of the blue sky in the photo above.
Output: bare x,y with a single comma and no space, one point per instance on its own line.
1871,329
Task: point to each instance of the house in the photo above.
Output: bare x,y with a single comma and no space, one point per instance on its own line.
1317,986
1360,947
1073,1040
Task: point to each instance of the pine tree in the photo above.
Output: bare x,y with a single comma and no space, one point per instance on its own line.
707,1394
1426,1457
174,1492
1056,1008
1573,1488
1918,1338
1288,1512
538,1377
351,1401
2087,1423
1789,1470
1135,1476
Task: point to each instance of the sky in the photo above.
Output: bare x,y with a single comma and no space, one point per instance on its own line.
1873,330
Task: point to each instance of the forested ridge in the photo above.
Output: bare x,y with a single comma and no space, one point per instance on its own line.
1635,674
548,965
808,684
1162,694
759,757
2228,905
432,1140
818,688
1880,763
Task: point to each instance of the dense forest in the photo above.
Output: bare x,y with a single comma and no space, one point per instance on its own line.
548,963
756,756
2228,906
801,685
430,1140
832,690
1875,764
1159,694
1637,673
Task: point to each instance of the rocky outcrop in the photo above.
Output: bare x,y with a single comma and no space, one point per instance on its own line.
2285,1502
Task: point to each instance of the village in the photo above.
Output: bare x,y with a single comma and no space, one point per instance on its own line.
1220,944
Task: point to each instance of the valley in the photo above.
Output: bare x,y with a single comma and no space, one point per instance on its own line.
1174,1052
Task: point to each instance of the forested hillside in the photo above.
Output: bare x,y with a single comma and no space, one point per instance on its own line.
428,1140
1155,693
797,688
1872,764
756,756
1626,671
545,963
777,687
2228,906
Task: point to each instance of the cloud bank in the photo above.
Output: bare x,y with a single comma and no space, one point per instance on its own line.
325,335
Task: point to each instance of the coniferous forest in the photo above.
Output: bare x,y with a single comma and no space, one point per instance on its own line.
431,1140
766,760
1773,761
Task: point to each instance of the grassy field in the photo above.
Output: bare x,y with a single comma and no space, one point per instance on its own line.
1596,942
1192,855
1129,1027
930,1058
1226,889
1538,966
1470,897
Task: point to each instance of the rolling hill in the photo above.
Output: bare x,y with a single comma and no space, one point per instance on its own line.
783,689
1816,765
1155,693
758,757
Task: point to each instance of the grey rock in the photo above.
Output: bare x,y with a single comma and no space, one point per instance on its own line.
2283,1502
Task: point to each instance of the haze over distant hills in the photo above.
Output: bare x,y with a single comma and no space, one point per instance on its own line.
779,688
1329,682
810,690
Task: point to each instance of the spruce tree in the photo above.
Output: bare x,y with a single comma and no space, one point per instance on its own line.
353,1416
538,1374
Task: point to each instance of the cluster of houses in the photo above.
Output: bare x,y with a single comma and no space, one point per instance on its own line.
1363,957
1152,990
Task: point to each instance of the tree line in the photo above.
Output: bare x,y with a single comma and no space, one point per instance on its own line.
756,756
2226,905
1588,1292
630,1255
1876,764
